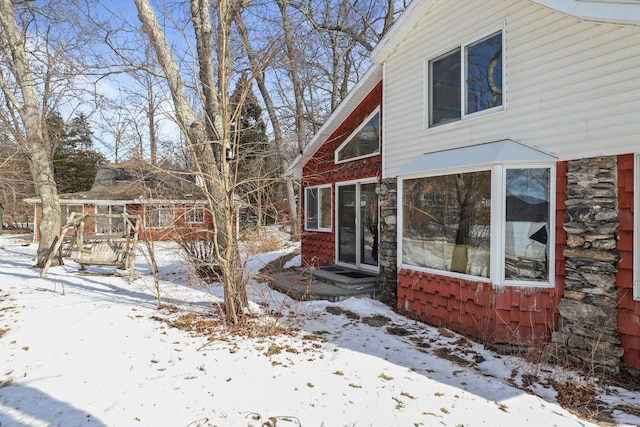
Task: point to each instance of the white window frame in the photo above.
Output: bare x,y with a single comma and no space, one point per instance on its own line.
67,213
110,219
148,210
358,183
498,225
319,208
463,78
190,211
354,133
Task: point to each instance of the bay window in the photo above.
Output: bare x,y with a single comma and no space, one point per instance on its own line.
491,222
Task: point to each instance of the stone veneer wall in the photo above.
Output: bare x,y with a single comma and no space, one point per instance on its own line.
587,327
387,245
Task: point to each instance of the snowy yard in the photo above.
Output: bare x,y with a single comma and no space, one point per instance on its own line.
94,350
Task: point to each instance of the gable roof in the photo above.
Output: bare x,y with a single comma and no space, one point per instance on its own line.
368,81
610,11
135,182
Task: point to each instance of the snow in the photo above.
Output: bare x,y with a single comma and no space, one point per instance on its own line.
95,350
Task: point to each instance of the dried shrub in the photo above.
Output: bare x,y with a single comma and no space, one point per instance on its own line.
200,250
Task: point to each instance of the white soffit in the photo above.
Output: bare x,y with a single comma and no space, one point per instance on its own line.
492,153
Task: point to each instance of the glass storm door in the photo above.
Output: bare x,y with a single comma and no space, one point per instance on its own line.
358,225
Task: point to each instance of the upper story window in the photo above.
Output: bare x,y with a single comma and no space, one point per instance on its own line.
364,142
317,208
466,80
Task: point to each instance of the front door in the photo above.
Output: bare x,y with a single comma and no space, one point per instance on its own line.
358,225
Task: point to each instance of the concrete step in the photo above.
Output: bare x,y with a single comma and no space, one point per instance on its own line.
302,285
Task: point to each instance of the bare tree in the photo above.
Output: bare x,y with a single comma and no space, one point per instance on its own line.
208,141
258,66
30,89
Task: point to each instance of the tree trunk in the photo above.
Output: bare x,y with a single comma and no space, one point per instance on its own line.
33,141
218,188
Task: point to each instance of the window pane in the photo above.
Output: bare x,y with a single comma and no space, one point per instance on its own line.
195,214
117,224
366,141
160,216
446,222
484,74
527,224
325,207
102,223
445,88
311,211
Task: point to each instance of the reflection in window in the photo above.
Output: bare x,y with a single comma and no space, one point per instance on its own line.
527,224
484,74
318,208
194,214
160,216
445,88
364,142
478,83
111,220
446,222
67,210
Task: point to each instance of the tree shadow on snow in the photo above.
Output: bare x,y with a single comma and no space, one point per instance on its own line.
21,405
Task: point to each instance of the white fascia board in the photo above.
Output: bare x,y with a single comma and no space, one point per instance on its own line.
400,29
357,94
611,11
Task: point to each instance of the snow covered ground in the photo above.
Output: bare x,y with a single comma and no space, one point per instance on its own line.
94,350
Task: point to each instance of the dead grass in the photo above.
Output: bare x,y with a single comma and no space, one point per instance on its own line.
257,240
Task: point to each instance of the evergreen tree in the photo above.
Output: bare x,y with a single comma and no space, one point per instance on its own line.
75,161
255,167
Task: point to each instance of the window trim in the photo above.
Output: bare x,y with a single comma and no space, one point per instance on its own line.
475,38
110,207
319,207
148,210
354,133
498,224
190,209
357,183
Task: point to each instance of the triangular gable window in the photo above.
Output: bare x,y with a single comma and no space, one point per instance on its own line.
364,142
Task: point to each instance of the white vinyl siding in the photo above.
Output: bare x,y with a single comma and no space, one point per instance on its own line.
572,88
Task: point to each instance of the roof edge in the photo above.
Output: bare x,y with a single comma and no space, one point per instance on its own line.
355,96
609,11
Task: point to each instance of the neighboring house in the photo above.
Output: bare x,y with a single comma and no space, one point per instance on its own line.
506,188
168,202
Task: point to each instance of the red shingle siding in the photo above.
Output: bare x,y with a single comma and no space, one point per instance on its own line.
319,248
628,309
509,314
506,315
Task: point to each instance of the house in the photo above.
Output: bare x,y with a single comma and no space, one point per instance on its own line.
169,203
505,175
